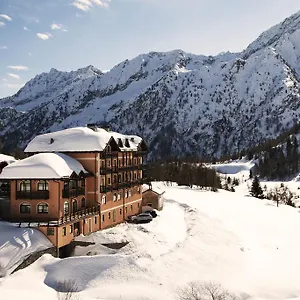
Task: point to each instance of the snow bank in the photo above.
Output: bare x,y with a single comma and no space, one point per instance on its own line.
43,165
233,167
248,245
16,244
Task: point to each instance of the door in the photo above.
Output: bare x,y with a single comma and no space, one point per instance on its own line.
90,225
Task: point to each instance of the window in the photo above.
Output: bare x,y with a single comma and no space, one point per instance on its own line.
114,215
73,184
109,215
71,229
120,211
126,209
82,182
25,208
95,220
42,208
66,208
119,196
102,164
130,162
115,197
25,186
115,178
83,202
126,194
134,161
138,204
129,193
108,163
134,176
50,231
64,231
119,162
74,205
114,162
66,186
131,207
130,176
42,185
141,160
138,189
119,178
103,218
103,180
104,199
108,180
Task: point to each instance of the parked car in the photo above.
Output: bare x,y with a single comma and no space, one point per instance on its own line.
152,213
141,218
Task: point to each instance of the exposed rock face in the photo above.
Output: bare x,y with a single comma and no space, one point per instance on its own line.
179,102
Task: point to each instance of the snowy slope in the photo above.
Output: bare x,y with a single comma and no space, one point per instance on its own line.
16,244
179,102
247,244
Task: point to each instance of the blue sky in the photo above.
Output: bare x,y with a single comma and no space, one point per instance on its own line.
37,35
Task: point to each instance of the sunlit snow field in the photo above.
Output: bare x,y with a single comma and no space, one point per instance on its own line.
248,245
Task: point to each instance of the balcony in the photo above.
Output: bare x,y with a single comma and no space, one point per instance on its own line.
80,214
104,171
80,191
105,188
108,154
32,195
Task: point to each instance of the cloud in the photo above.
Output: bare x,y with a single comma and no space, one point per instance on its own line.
15,76
44,36
3,47
18,68
6,17
25,28
55,26
2,24
86,5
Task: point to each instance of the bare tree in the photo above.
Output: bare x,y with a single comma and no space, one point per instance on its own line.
66,290
205,291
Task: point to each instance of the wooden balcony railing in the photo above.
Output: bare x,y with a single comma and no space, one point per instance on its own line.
80,214
32,195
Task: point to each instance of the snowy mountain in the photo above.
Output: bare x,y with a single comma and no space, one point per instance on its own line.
179,102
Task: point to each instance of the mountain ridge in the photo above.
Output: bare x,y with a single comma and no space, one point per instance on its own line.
181,103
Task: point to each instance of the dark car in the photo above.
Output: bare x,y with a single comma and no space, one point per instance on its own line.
152,213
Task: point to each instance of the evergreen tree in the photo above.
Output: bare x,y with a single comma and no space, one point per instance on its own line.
256,190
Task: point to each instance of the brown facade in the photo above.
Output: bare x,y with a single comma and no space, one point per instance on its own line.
81,204
152,199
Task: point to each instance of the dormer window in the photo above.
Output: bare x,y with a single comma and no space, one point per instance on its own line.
127,143
120,143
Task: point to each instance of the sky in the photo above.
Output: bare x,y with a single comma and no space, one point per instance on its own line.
37,35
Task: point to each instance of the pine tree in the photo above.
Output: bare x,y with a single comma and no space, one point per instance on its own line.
256,190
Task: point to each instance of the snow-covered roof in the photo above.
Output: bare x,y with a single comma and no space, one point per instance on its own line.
43,166
156,189
81,139
7,158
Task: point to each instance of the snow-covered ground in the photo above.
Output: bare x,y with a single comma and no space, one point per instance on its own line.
248,245
16,244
